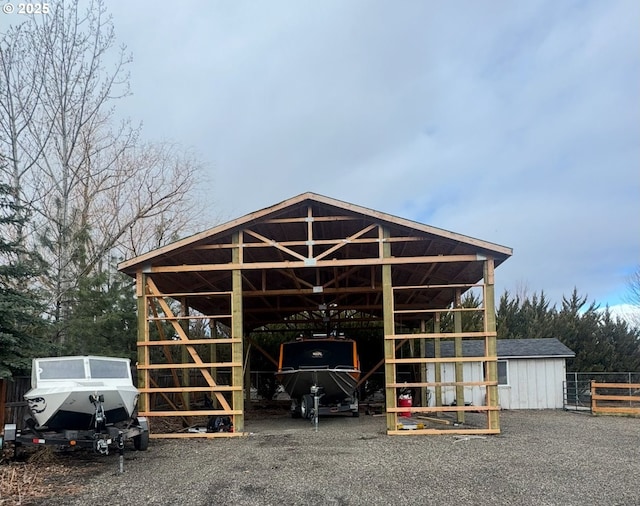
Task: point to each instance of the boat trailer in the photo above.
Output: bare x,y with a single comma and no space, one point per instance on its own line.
101,438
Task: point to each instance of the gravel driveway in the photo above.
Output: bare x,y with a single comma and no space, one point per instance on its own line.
541,458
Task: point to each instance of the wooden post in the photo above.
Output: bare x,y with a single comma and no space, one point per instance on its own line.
143,336
437,354
389,329
237,332
186,373
424,391
459,368
491,346
213,358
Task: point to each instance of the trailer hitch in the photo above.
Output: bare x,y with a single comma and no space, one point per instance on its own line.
100,418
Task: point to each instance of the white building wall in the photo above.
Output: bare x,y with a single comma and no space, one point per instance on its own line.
536,383
533,384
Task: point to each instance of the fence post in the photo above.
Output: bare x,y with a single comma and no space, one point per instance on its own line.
593,392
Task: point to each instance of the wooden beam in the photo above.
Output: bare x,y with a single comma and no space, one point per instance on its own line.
192,412
434,432
175,342
169,390
444,409
442,335
422,384
202,366
286,264
491,346
457,346
237,332
389,328
441,360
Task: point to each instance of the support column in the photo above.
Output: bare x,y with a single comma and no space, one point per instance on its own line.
437,354
459,368
491,344
389,329
185,357
143,337
237,328
424,392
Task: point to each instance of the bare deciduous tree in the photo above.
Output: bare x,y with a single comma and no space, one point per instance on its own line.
633,296
93,187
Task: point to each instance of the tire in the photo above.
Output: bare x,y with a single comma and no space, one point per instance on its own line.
306,406
295,409
141,442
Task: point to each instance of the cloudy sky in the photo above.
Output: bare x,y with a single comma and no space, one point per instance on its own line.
513,122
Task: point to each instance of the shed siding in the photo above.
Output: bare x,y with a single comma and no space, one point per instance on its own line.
536,383
533,384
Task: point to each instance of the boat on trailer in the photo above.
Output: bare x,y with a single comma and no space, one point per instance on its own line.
320,372
86,401
66,392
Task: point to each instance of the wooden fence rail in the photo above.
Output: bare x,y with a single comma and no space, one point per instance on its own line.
624,401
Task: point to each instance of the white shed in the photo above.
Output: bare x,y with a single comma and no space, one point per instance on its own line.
531,373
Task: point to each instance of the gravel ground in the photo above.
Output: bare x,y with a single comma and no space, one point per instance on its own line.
541,458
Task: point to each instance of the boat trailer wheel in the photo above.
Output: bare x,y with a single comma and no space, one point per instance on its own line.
306,406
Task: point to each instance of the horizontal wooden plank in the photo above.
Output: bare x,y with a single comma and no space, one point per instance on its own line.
436,287
196,435
174,295
415,432
626,398
192,317
169,390
615,385
206,365
440,360
620,411
440,335
300,264
455,310
175,342
200,412
441,409
442,384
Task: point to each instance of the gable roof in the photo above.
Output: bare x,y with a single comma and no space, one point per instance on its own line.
548,347
287,208
311,250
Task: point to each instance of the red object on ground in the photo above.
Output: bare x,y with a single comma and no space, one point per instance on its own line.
404,401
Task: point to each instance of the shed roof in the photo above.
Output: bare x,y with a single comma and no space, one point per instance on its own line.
548,347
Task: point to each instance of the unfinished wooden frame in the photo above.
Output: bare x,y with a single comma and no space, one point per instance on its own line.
271,265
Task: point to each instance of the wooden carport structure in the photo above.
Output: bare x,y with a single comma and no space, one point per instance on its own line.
199,297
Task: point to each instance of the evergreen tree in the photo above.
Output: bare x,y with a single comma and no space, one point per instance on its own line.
21,325
103,319
531,318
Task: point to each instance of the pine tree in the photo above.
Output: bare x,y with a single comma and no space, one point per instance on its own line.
21,324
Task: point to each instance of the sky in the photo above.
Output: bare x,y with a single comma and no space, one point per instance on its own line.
513,122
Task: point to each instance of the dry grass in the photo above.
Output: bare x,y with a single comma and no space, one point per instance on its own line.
42,474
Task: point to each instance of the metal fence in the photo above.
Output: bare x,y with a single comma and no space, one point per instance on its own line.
577,387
